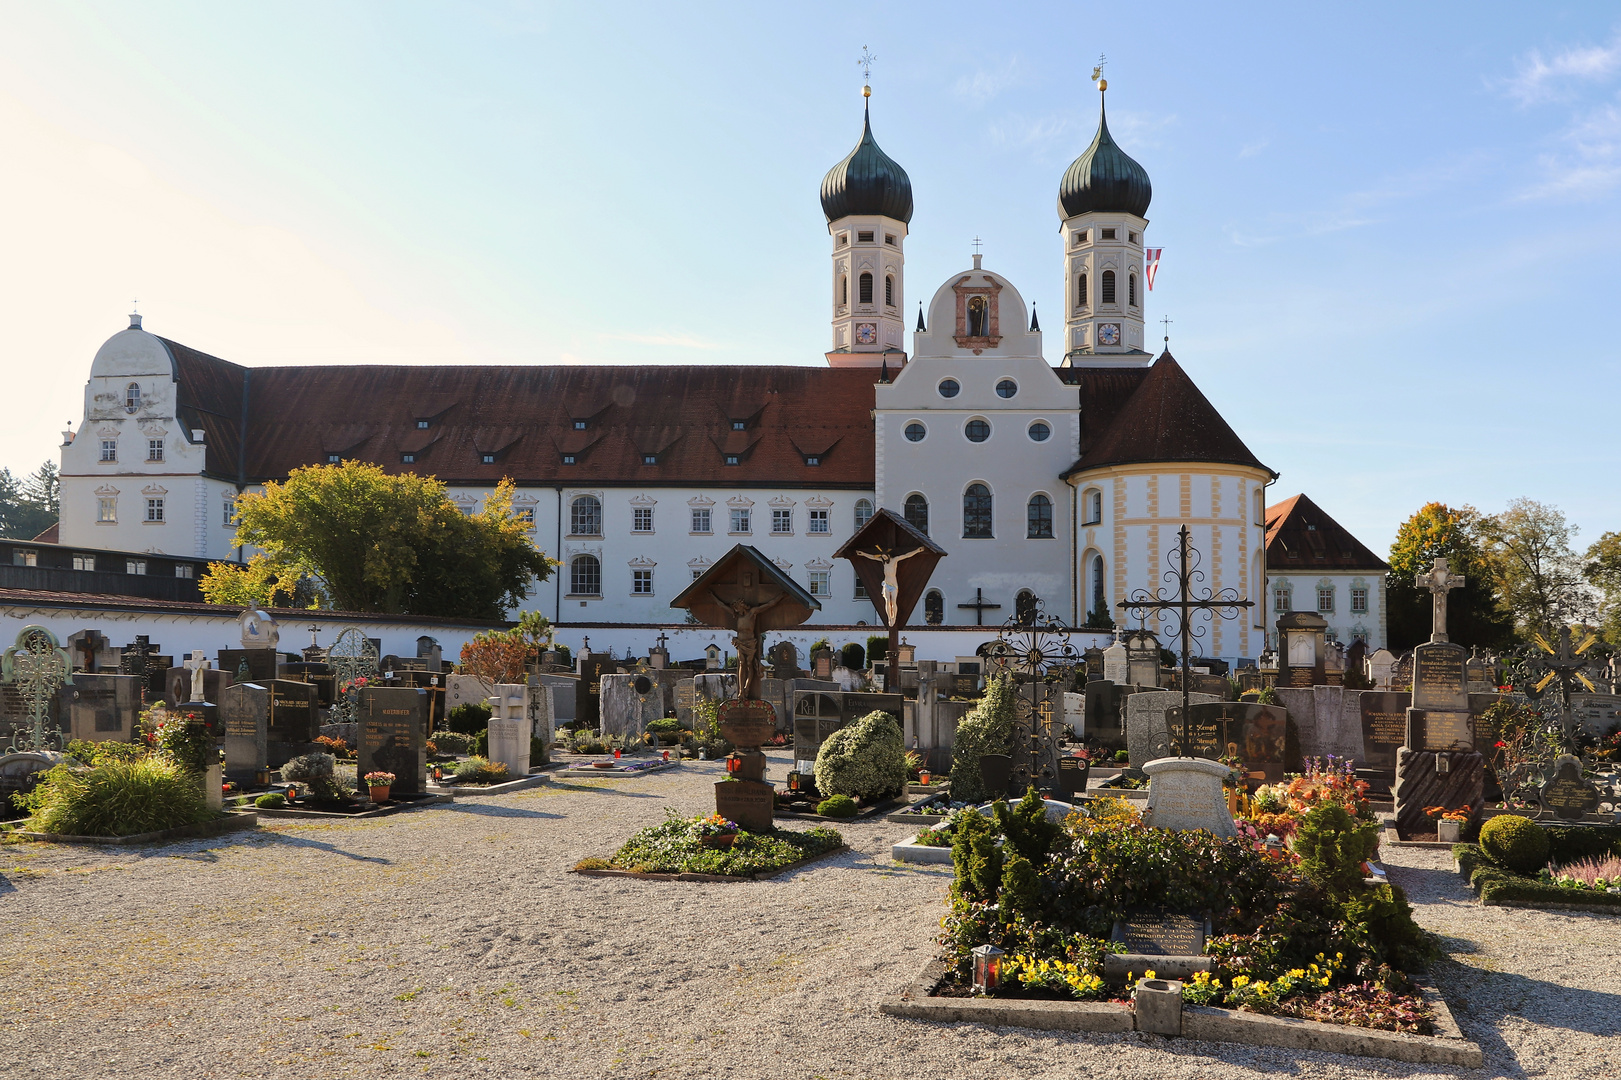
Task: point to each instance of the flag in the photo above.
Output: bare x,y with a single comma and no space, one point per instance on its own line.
1151,265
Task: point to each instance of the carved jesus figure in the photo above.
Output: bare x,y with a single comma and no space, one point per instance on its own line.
747,641
892,585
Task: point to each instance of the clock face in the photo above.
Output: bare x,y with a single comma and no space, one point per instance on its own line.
866,333
1108,333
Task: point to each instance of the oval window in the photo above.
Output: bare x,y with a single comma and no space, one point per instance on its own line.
1006,388
915,432
1040,432
977,430
949,388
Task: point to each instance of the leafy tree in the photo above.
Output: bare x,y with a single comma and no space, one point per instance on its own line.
258,584
393,543
28,506
1602,569
1539,578
497,656
1473,616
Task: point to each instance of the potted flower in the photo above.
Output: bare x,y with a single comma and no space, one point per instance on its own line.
1449,830
714,831
379,782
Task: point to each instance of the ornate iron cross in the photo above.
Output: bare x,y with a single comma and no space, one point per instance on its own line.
1565,665
351,657
1038,646
1184,574
40,666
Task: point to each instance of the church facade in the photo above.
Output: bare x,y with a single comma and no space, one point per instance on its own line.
1056,484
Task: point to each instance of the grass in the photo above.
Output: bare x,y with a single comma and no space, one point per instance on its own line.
116,798
671,848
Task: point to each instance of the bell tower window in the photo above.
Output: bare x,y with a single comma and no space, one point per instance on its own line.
1080,290
1131,289
1108,287
844,290
865,293
889,290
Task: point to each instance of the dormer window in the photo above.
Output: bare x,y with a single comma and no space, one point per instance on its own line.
408,459
864,237
650,459
132,397
813,460
422,425
568,459
579,425
333,459
487,459
731,459
740,425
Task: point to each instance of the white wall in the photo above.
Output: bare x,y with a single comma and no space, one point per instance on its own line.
1343,623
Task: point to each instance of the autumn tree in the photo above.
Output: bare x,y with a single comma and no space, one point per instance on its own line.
1538,576
1473,616
392,542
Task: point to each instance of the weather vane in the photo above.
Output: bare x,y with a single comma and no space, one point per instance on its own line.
865,64
1166,322
1097,72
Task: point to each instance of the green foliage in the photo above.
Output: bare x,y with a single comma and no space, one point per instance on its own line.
318,772
673,847
1333,846
1497,884
271,801
1538,575
539,752
1122,756
664,723
99,753
1026,827
261,583
987,729
452,742
838,806
468,719
865,760
1601,566
116,798
706,734
479,770
977,859
854,657
28,506
1515,843
1473,618
877,647
393,542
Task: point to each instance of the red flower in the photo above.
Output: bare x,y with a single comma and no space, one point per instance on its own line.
1499,744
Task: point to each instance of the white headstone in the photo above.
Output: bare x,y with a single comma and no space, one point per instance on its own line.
1114,663
1186,793
509,728
259,630
196,665
1380,666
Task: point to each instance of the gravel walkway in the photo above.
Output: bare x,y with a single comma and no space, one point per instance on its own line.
450,941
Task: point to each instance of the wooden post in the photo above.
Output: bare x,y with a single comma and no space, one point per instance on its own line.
890,681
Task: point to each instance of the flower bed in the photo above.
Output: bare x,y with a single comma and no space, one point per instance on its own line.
1496,884
676,846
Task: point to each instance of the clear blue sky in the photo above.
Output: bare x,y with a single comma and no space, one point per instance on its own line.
1390,230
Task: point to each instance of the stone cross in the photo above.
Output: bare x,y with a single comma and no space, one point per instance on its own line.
1439,581
196,665
40,666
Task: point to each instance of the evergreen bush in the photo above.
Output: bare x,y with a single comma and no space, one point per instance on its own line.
841,806
987,729
271,801
452,742
854,657
1516,843
865,760
469,719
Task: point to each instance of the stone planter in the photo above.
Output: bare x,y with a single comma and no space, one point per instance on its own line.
1448,832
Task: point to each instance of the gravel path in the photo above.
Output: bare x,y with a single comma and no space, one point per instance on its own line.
450,941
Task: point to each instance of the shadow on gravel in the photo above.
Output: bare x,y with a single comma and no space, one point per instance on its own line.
1422,883
6,886
606,791
1284,1062
482,810
1502,995
322,845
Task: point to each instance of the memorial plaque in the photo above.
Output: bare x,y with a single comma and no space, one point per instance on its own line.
1568,794
1072,775
294,721
102,707
1384,727
1438,678
1168,934
684,693
588,705
1447,731
262,663
244,712
747,723
394,735
1254,734
750,803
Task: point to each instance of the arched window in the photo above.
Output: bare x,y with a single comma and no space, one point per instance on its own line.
844,291
1108,287
585,516
863,512
976,512
916,512
934,607
1024,607
132,397
1099,608
1131,289
889,290
865,290
585,576
1094,507
1080,290
1039,518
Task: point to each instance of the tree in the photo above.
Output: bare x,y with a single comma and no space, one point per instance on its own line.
261,583
497,656
29,506
1473,616
1602,569
393,543
1539,578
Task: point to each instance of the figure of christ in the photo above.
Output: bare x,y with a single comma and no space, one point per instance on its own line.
892,586
747,642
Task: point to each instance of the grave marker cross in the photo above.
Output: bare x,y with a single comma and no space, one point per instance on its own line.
1565,665
196,665
1439,581
39,664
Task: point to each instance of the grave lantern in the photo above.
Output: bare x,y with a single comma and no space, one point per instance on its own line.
987,968
261,778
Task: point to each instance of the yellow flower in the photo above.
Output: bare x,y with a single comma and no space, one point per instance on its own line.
1297,973
1240,981
1148,975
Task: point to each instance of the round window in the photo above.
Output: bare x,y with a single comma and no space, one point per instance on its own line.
1040,432
915,432
949,388
977,431
1006,388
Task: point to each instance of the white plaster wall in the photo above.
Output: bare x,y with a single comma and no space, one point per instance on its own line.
878,258
1343,623
1093,256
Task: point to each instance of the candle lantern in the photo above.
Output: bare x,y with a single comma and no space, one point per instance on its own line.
261,778
733,763
292,792
987,968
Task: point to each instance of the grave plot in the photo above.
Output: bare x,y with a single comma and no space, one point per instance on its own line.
713,848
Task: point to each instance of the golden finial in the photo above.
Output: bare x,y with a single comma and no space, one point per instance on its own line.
865,64
1097,73
866,91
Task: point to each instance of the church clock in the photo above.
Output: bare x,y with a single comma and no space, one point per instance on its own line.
866,333
1109,333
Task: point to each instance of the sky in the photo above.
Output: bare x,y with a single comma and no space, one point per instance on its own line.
1391,234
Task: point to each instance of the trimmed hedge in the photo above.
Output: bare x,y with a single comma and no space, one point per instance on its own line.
1516,843
866,760
1497,885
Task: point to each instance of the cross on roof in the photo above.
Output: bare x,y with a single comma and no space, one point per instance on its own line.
865,64
1166,322
1439,581
1097,72
976,245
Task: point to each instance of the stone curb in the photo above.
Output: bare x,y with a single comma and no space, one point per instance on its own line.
616,774
458,791
762,875
326,815
871,813
230,823
1449,1047
910,851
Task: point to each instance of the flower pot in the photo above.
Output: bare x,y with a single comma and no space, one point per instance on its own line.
1448,832
723,840
380,794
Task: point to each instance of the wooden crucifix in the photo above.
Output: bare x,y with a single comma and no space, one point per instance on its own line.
893,559
746,593
1439,581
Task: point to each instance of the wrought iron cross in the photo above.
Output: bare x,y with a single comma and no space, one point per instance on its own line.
1439,581
40,666
1166,322
865,64
1185,573
1038,645
1565,665
977,243
351,657
979,607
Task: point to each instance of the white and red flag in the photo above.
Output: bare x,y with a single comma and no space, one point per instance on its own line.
1151,265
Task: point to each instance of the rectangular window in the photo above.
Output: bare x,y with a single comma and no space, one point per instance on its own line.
408,459
422,425
1359,601
1280,600
844,238
782,522
568,459
642,519
229,517
731,459
813,460
154,510
1325,598
818,583
1080,237
154,449
579,425
696,574
1131,237
861,590
864,237
700,521
109,449
650,459
889,238
818,522
740,521
1108,234
641,582
24,558
183,570
525,516
107,509
84,562
1094,508
740,425
487,459
135,566
333,459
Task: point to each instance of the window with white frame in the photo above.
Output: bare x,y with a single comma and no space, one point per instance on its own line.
84,562
132,397
154,449
1359,601
696,573
641,582
135,566
109,449
641,519
1094,508
861,589
228,516
863,512
1325,598
585,516
183,570
585,576
154,510
740,521
700,520
107,509
782,522
525,516
1280,599
818,583
818,522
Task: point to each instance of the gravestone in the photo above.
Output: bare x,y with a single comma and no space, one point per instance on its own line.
1384,727
588,700
102,708
1152,933
294,721
542,712
1255,734
685,694
1381,669
1302,648
1093,659
784,661
629,703
822,664
1142,658
1569,795
1105,712
467,690
509,729
1439,719
1186,793
394,736
89,651
263,664
1115,667
177,684
1148,734
1438,765
429,650
1595,714
1072,776
244,711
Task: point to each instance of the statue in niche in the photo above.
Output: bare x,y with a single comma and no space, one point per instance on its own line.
978,322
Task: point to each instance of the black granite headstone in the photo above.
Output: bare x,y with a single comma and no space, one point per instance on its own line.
102,707
1569,795
244,712
294,719
262,663
1384,727
177,685
1163,933
394,736
1072,776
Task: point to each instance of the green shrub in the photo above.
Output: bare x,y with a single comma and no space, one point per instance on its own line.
97,753
478,770
481,744
664,723
116,798
538,751
469,719
1515,843
854,657
877,648
987,729
452,742
866,759
271,801
1333,846
840,806
1572,843
1122,756
318,772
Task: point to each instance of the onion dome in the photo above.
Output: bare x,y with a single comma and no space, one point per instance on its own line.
867,181
1104,179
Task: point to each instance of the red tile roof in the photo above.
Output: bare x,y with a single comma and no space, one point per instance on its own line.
1299,536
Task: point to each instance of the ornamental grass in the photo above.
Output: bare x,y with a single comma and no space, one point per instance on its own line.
116,798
